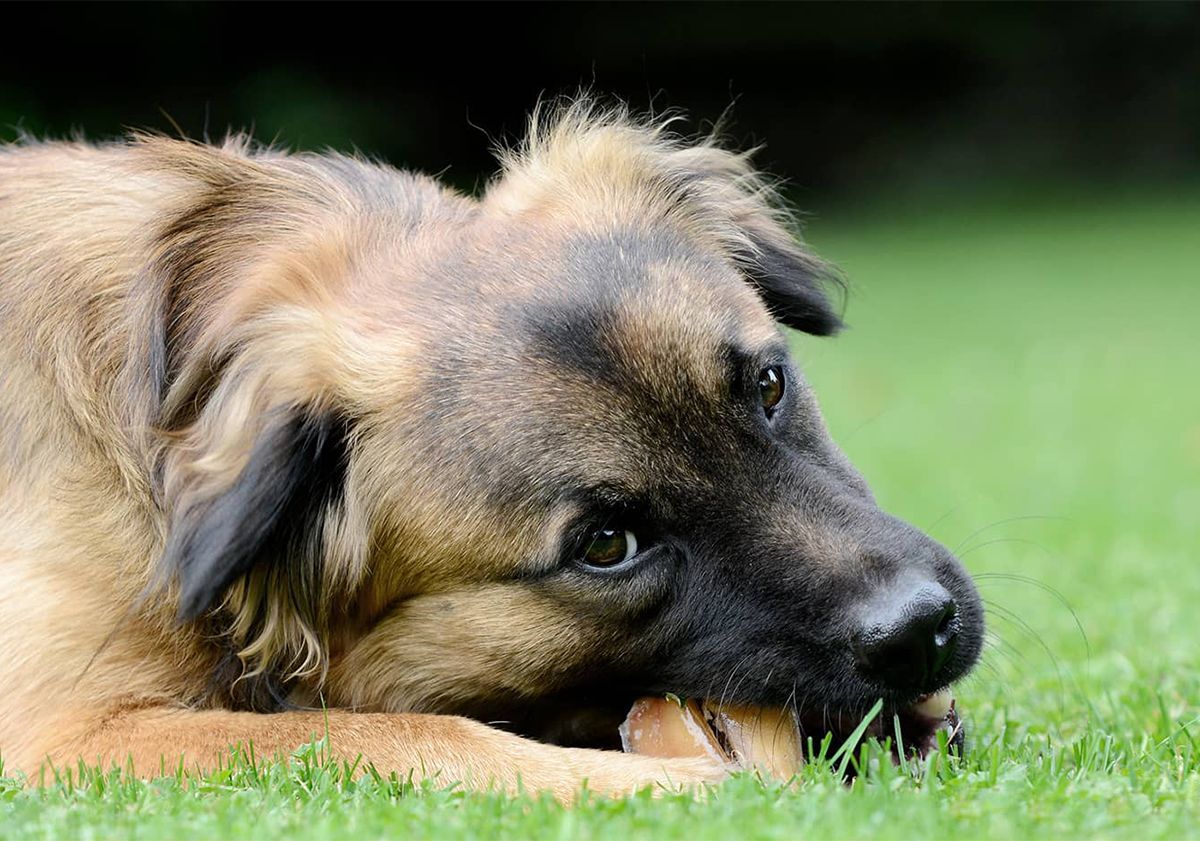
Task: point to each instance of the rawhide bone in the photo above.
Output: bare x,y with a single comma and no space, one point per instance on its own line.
760,738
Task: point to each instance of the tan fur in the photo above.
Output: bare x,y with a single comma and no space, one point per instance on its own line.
299,281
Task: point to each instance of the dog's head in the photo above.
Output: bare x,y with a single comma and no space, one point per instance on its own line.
530,457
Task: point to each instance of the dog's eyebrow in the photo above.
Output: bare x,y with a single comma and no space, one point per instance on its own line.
589,506
601,502
740,360
573,336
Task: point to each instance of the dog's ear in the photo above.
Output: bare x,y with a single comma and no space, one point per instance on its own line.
249,445
747,213
251,457
792,282
579,153
274,512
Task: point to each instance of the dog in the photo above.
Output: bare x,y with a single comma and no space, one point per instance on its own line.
294,444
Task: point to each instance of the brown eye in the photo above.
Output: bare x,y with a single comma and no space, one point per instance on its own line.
770,387
609,547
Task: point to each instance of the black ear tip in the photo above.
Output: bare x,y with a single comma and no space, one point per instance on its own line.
826,324
813,316
816,325
797,288
194,600
274,512
833,284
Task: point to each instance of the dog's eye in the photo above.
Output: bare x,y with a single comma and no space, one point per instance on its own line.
609,547
770,387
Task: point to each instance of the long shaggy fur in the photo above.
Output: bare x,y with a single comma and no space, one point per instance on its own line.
214,381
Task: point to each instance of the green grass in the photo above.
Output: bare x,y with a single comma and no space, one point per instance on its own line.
1023,383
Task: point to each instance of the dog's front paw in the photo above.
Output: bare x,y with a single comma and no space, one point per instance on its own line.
512,763
619,774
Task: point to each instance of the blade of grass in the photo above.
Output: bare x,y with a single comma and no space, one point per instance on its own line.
847,749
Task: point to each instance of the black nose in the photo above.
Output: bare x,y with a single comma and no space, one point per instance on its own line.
904,642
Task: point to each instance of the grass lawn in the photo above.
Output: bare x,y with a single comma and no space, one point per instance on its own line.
1024,383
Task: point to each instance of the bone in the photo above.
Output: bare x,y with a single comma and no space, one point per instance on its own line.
670,729
936,705
752,738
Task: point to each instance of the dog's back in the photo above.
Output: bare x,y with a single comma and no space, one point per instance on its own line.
75,518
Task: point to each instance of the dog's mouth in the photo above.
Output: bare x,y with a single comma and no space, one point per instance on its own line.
777,741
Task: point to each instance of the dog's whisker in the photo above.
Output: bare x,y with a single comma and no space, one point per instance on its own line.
729,680
988,577
1008,520
1007,615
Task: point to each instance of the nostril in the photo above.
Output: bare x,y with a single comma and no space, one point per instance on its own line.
947,627
905,643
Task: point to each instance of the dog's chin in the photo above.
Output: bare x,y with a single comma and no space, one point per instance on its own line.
913,729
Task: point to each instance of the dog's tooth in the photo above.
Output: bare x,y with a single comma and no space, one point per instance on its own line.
936,705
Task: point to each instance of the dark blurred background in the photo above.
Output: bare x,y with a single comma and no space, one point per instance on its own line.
851,99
